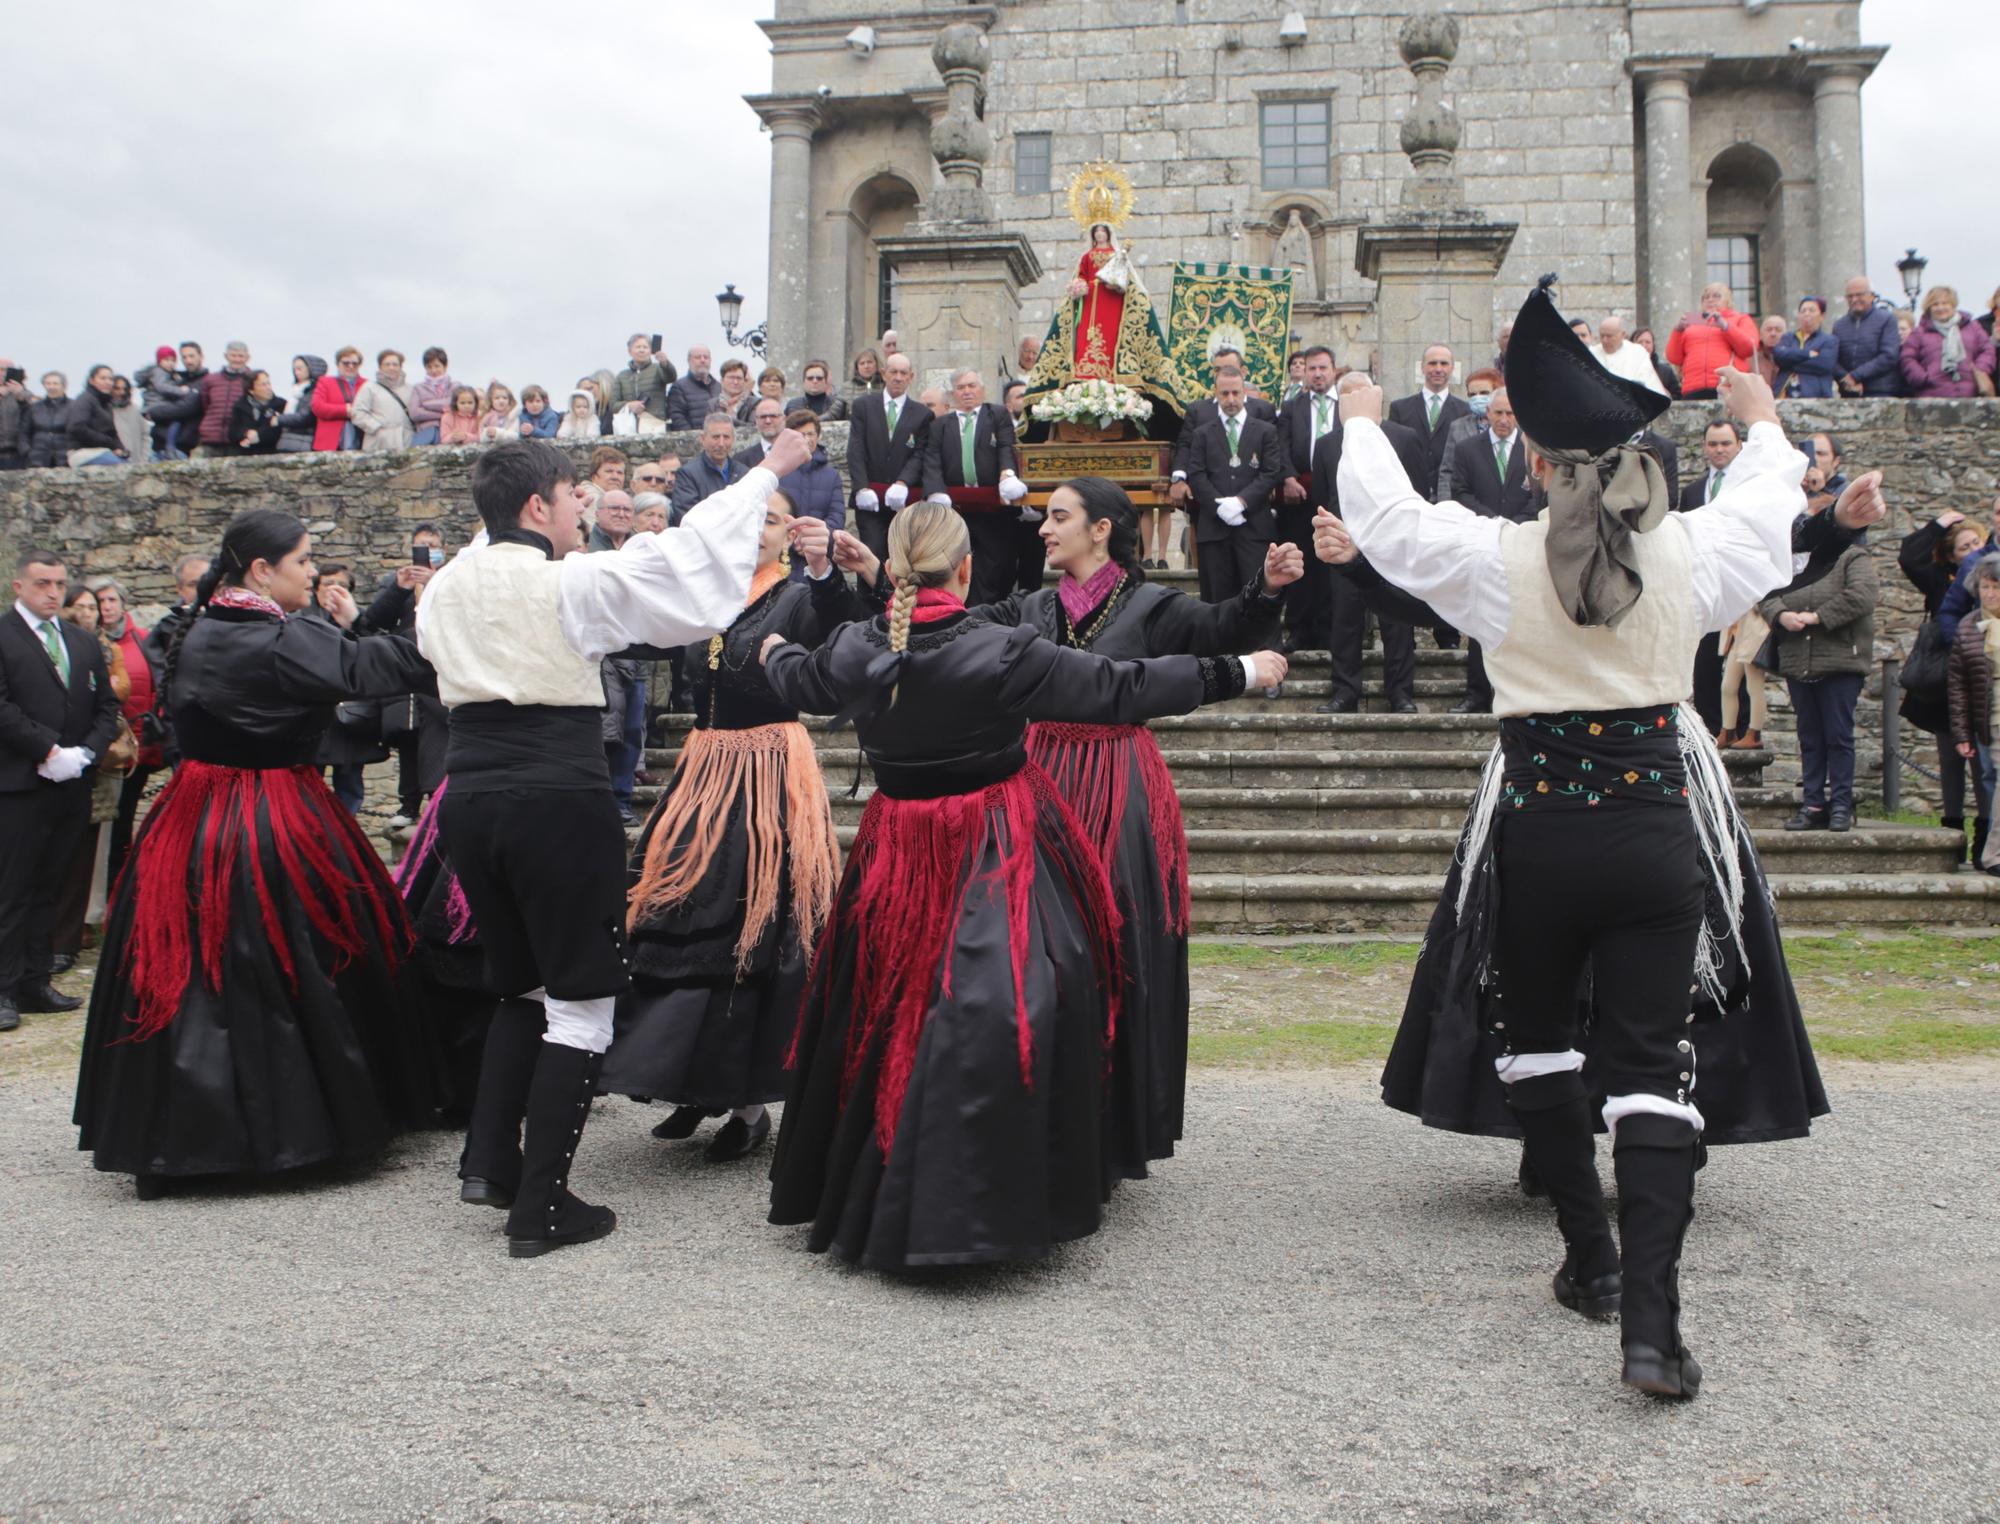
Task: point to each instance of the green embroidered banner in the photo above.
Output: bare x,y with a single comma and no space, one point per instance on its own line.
1242,307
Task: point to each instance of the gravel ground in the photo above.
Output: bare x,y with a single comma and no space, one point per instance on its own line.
1322,1310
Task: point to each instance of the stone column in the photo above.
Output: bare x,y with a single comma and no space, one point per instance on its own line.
792,124
1837,159
1671,231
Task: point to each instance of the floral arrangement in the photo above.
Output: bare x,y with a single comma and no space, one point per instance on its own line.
1100,402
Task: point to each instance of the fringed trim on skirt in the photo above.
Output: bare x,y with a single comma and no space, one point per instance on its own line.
1093,764
205,824
774,772
911,867
457,913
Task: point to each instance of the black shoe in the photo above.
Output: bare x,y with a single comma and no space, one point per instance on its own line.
506,1070
1596,1299
736,1137
1655,1161
1471,705
1402,706
476,1192
1341,706
1807,819
44,999
63,964
682,1121
546,1214
149,1187
10,1016
1838,819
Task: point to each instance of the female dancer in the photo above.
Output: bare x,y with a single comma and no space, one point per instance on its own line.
1116,781
735,870
947,1102
249,1015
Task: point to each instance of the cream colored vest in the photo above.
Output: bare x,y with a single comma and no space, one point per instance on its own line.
1549,663
493,631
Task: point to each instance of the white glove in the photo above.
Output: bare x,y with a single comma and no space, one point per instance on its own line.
942,499
1230,511
1030,515
897,495
63,764
1012,489
867,501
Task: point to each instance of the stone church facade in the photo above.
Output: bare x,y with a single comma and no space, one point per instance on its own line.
1642,147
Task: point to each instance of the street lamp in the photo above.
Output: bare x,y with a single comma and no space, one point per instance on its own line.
730,304
1911,268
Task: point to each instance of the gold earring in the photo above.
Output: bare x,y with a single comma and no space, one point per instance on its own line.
785,556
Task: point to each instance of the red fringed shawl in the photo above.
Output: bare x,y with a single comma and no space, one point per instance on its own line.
202,830
1092,766
911,869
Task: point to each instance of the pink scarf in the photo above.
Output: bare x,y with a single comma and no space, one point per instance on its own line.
243,598
1079,598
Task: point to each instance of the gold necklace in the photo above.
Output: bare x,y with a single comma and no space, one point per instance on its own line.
1085,640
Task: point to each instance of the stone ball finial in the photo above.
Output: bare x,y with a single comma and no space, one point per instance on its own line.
960,46
960,137
1428,34
1430,131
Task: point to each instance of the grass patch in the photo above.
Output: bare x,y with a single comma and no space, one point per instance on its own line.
1350,957
1293,1045
1911,1040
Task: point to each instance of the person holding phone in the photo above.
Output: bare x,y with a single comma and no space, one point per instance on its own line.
1710,341
413,724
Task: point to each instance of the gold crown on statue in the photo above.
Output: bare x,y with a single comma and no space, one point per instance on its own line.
1100,192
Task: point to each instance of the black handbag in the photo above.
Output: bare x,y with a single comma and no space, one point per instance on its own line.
1925,667
400,718
1766,658
362,717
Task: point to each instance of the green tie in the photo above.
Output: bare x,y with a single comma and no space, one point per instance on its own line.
968,461
1714,484
1434,410
1230,425
1500,460
58,652
1319,416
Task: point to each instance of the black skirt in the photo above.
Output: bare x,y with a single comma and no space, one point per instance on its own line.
995,1149
285,1034
1757,1082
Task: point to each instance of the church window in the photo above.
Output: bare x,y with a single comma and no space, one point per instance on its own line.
1297,141
1031,163
1733,261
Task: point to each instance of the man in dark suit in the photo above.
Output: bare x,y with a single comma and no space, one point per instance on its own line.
969,463
768,417
1226,362
57,715
1308,418
1720,445
1431,412
1234,465
886,434
1349,609
1489,472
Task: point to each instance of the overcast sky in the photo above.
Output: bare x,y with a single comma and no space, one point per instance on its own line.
526,183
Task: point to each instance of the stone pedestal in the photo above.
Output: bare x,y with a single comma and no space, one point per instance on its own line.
958,297
1434,280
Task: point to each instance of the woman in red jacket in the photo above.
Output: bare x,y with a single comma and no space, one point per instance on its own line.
333,399
1706,343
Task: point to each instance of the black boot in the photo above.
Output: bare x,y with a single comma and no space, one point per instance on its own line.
490,1166
1655,1162
1981,828
1957,823
545,1215
1555,1118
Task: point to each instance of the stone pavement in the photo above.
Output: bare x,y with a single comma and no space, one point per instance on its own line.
1321,1310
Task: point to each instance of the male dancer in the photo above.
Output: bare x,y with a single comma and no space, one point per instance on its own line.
516,628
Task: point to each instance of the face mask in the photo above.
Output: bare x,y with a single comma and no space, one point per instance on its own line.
1480,402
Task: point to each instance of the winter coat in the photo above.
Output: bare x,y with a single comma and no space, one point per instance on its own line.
1918,559
692,399
455,430
1844,638
542,425
429,400
642,383
1959,599
14,425
386,416
131,426
158,385
331,398
264,419
1807,367
1968,685
1703,350
1923,359
219,390
826,407
817,492
89,425
296,424
1871,350
48,430
505,425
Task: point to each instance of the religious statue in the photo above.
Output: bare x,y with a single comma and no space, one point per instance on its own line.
1105,328
1294,250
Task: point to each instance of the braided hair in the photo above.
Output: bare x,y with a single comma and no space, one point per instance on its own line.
1104,499
267,534
927,541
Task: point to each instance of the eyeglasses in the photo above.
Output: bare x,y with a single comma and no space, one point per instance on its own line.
650,481
349,364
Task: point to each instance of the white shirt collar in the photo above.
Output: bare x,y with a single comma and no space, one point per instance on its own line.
35,621
1438,395
1225,414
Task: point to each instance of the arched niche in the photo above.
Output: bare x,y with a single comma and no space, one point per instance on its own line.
881,206
1744,244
